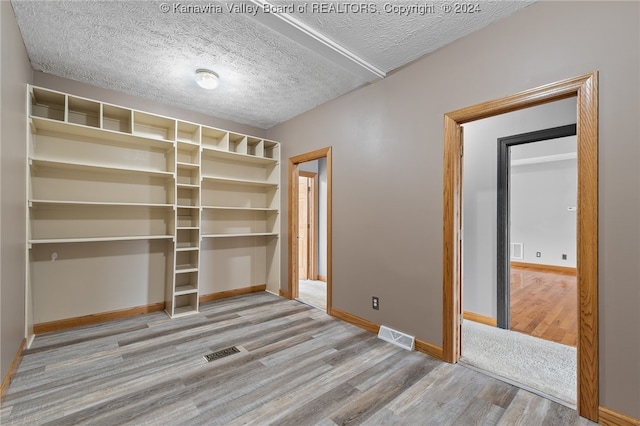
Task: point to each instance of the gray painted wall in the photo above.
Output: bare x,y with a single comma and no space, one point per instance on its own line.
480,195
387,143
15,74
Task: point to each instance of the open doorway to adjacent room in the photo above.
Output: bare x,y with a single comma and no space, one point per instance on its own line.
583,92
309,225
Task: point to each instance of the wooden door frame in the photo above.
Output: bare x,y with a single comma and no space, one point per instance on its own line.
294,173
585,89
504,210
312,261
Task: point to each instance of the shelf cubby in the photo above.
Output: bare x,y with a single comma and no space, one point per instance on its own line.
185,304
186,261
225,168
187,239
64,182
59,222
187,155
238,143
83,112
48,104
187,218
116,119
271,150
187,197
255,147
215,139
237,222
224,194
186,283
188,133
153,126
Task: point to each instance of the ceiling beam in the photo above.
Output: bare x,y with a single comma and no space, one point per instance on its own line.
301,33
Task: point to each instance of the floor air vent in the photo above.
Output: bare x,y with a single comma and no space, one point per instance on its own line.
400,339
221,354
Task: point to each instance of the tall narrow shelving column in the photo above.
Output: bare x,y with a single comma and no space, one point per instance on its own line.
184,297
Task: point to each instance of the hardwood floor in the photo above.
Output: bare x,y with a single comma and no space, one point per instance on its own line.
545,305
296,366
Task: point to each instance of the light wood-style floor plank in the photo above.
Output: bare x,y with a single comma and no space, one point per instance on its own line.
295,366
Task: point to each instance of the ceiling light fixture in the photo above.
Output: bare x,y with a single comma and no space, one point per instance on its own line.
207,79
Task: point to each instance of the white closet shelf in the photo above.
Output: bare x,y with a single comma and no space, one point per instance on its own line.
99,239
185,289
106,136
256,209
38,203
73,165
230,155
187,227
247,234
183,269
187,248
184,165
187,185
245,182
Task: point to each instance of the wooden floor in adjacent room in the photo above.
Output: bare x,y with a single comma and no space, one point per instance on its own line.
295,366
545,305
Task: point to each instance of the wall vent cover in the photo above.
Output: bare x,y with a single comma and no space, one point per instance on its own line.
221,354
397,338
516,251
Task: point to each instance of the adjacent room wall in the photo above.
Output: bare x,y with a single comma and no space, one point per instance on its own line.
542,198
387,143
480,195
320,167
15,74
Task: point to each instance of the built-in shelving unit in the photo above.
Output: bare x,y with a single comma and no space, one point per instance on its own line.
192,209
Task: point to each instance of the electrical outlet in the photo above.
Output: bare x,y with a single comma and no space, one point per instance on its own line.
564,257
538,254
375,303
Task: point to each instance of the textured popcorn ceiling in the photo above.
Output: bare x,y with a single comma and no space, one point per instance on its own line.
266,78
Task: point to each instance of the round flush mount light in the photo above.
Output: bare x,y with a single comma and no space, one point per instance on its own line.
207,79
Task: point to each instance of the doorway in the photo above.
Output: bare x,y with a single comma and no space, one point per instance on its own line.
585,89
309,262
536,226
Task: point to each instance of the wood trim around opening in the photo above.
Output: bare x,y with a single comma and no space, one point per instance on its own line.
585,88
292,252
6,382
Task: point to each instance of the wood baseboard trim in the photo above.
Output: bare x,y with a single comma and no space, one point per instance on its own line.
420,345
321,278
285,294
12,370
480,318
47,327
355,320
232,293
564,270
612,418
429,349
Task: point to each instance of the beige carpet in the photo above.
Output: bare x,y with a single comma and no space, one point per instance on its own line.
313,293
546,368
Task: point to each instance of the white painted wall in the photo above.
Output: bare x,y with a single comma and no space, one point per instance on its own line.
480,195
541,194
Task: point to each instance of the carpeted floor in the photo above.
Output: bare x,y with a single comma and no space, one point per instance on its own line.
540,366
313,293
